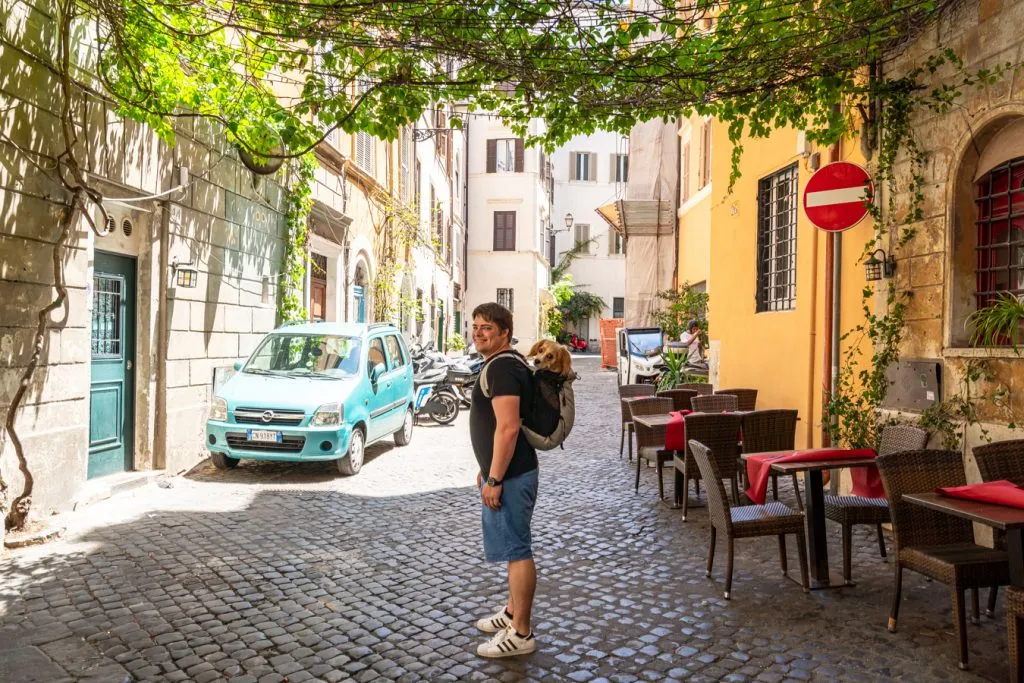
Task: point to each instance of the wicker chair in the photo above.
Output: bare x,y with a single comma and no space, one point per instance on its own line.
773,519
719,432
1014,614
850,510
937,545
630,391
746,398
1000,460
771,430
715,403
680,397
650,442
702,388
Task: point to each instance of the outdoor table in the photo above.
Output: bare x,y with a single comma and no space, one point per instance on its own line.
654,422
1002,517
814,509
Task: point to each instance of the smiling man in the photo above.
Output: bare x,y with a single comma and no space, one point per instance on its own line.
507,479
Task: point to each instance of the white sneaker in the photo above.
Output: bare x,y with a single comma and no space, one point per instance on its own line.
495,623
507,643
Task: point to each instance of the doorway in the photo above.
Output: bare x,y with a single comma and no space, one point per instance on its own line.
112,387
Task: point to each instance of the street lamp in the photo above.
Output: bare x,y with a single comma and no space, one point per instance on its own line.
568,221
875,268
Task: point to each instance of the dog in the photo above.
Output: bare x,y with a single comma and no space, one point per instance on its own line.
551,356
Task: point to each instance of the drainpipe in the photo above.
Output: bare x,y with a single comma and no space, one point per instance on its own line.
162,334
677,203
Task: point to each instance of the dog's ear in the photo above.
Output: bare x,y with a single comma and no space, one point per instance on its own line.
563,362
536,348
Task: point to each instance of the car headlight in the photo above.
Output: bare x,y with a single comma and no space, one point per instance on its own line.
327,414
219,409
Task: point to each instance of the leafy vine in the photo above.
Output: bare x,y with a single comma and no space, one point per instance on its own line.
299,200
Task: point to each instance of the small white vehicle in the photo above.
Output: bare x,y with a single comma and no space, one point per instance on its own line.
639,355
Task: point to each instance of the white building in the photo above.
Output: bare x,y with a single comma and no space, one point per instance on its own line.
509,213
434,167
591,171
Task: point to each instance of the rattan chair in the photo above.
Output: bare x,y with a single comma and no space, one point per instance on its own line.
680,397
746,398
1014,633
714,403
1000,460
771,430
850,510
702,388
719,432
938,545
630,391
650,442
773,519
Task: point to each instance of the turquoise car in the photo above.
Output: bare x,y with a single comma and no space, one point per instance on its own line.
315,391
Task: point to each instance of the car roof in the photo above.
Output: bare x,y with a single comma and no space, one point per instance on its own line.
341,329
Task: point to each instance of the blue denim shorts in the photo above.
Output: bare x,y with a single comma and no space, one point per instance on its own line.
507,535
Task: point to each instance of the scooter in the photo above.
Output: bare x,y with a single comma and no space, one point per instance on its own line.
464,372
576,343
435,397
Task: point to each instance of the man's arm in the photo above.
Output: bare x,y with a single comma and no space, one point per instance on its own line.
506,413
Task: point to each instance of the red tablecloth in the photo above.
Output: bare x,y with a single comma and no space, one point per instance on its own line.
675,431
759,468
1000,492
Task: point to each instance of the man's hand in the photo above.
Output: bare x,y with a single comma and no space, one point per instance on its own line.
491,496
479,480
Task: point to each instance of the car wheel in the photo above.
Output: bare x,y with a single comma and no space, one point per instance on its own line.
353,460
450,411
404,435
223,462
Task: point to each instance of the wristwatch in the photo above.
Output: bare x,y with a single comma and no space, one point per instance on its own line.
492,482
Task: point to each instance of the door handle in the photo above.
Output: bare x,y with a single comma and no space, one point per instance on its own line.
128,365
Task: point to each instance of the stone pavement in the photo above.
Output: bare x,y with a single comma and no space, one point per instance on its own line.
283,572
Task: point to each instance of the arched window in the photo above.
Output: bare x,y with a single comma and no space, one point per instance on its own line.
999,197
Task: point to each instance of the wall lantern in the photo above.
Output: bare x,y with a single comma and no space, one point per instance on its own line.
186,275
875,268
568,221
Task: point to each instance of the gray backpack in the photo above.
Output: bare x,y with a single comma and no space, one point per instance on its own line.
554,404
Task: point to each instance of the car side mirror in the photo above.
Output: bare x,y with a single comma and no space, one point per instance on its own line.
238,365
376,372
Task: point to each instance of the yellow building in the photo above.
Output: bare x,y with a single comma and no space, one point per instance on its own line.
763,264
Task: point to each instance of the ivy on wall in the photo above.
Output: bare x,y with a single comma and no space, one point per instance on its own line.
299,202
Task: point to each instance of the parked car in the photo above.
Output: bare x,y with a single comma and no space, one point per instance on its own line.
639,355
315,391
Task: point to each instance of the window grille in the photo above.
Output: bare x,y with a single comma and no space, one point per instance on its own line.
999,264
506,297
776,240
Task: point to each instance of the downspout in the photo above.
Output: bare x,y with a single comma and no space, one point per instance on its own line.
677,203
162,333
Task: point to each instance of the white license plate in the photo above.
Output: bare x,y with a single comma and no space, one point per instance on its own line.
264,435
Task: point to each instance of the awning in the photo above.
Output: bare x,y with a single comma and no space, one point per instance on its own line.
1006,145
635,217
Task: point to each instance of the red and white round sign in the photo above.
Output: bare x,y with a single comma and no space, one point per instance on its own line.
837,196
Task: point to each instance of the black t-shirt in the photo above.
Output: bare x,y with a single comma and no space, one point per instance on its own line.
506,376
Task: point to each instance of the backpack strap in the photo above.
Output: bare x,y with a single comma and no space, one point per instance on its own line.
484,383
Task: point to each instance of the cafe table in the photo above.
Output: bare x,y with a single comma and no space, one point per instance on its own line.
814,509
1002,517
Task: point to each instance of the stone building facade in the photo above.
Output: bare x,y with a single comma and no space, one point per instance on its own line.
970,242
184,282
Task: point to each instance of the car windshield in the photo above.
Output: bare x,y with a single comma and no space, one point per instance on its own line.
644,343
306,354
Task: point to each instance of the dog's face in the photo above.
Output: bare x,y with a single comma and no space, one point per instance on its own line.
551,356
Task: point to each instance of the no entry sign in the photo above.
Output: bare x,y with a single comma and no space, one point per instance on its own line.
837,196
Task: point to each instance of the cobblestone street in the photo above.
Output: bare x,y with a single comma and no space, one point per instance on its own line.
277,572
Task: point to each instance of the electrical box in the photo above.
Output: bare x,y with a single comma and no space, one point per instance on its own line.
913,384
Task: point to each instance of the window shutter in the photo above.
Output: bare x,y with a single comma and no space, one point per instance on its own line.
592,168
613,168
492,156
686,171
498,234
519,155
448,155
510,226
573,166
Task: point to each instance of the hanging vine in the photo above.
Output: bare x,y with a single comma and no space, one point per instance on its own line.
299,202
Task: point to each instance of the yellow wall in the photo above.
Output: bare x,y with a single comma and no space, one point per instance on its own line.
778,353
694,213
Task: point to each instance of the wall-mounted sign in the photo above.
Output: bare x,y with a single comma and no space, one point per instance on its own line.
838,196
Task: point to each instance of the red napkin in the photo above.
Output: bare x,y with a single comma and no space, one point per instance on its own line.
759,468
1000,492
675,431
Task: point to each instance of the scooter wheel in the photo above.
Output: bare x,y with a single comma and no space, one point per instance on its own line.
450,409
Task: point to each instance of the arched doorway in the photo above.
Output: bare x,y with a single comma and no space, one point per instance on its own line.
359,291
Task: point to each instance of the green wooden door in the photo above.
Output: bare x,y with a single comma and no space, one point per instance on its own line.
111,392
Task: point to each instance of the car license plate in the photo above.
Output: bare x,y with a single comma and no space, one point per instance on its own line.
264,435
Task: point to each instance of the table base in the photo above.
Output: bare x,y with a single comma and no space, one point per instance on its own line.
835,581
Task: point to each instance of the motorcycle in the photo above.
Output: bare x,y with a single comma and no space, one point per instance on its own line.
577,344
464,373
435,395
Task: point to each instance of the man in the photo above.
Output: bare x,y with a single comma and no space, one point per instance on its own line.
507,479
691,340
